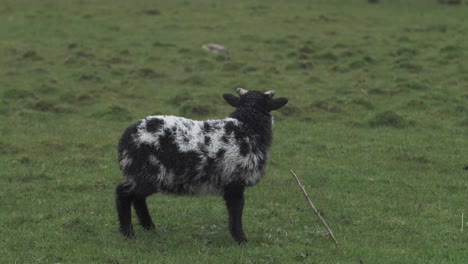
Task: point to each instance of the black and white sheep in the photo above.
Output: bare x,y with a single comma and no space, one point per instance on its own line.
181,156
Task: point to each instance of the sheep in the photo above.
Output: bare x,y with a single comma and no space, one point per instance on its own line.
176,155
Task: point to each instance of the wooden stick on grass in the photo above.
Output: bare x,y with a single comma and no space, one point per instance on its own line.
314,209
462,223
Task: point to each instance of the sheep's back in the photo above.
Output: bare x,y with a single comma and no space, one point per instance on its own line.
180,155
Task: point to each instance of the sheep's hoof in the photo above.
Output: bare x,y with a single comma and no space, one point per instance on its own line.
128,232
240,242
149,227
240,238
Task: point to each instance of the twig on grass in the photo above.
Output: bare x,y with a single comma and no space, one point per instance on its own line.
314,209
462,223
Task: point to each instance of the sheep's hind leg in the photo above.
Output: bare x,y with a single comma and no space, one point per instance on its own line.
124,199
141,209
234,198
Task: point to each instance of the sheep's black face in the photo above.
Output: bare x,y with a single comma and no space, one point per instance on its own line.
261,100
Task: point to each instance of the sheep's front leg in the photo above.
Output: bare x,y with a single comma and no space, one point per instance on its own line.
234,198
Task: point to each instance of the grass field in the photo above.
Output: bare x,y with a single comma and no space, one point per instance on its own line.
376,127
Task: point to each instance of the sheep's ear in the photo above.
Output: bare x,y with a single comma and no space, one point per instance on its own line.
278,103
232,99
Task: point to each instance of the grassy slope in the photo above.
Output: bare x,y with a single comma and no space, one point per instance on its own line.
392,187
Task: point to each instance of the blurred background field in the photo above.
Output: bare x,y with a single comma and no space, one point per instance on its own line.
376,127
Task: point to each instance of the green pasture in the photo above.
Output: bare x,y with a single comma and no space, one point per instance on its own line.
376,127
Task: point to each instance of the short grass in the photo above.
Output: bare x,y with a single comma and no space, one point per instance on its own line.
376,127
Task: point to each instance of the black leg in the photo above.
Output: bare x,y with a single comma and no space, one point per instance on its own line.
124,202
234,198
142,212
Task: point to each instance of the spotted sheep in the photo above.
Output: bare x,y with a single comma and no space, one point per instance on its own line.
177,155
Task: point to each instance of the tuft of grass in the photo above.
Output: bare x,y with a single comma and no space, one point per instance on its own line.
48,106
31,55
364,103
389,119
148,73
197,109
17,94
8,149
112,112
327,106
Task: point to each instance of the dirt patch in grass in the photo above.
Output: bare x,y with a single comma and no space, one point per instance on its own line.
194,80
164,45
8,149
358,64
197,109
464,123
451,52
17,94
151,12
327,57
232,66
364,103
47,89
180,99
78,225
388,119
327,106
89,77
409,67
48,106
413,85
339,68
416,104
416,159
290,110
85,99
54,146
32,178
112,112
148,73
383,92
31,55
83,54
302,65
405,52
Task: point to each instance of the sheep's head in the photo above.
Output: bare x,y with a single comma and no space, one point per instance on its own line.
255,99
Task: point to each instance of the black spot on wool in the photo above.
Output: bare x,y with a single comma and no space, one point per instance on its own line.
210,167
139,159
220,153
207,141
126,141
185,138
187,125
206,127
183,164
231,128
244,148
225,139
153,125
